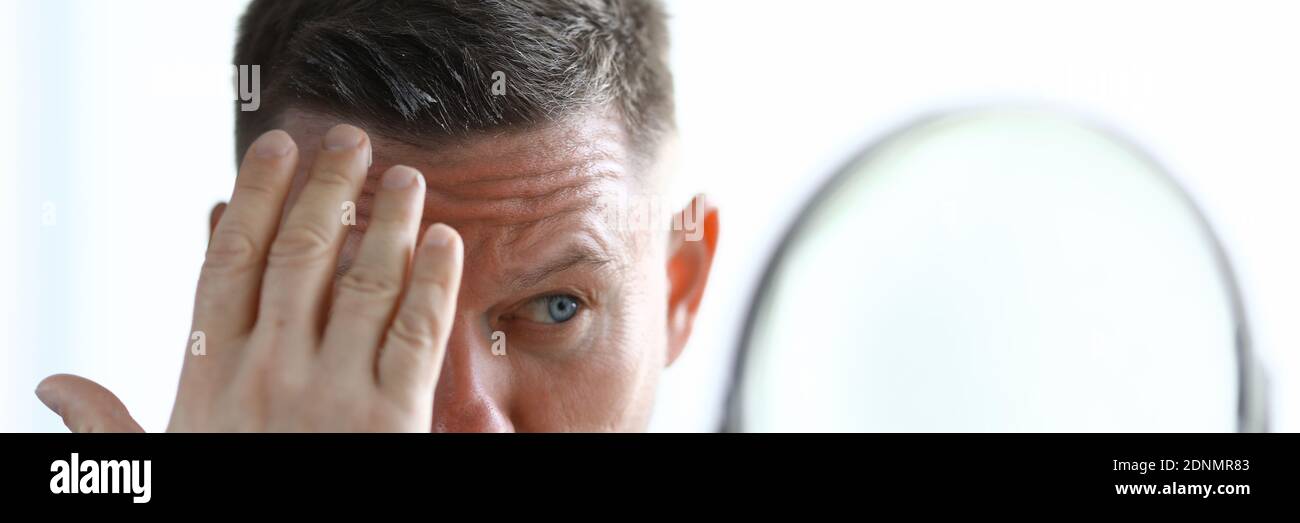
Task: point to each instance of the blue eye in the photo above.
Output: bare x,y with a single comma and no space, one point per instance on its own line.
551,309
561,308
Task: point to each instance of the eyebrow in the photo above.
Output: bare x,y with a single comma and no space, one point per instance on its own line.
578,256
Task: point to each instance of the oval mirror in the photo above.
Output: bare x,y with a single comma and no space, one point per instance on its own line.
998,270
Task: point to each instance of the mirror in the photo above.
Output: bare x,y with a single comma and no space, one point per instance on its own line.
998,270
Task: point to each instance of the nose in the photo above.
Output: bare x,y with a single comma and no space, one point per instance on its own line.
473,384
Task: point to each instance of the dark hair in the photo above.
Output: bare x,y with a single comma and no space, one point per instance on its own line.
423,70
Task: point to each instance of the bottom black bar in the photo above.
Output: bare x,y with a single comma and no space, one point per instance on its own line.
739,471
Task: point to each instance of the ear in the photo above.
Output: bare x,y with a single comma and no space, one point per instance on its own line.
214,217
691,245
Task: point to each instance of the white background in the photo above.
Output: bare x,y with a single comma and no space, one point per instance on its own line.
117,115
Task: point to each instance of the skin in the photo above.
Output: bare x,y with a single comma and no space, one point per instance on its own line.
387,325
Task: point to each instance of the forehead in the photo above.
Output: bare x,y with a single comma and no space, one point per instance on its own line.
513,195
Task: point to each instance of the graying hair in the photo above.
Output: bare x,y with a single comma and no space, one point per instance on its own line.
423,70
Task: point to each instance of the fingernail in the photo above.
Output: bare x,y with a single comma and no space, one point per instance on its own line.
273,144
399,177
438,235
342,136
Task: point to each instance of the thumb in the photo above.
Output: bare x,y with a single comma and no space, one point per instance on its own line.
84,405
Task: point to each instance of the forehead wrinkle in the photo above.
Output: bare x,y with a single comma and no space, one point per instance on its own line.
526,202
529,189
515,233
509,211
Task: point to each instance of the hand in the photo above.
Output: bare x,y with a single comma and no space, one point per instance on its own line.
285,348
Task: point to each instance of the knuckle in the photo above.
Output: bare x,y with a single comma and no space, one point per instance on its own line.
230,250
299,246
369,283
333,176
254,187
412,331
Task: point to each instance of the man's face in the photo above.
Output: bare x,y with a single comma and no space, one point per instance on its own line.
580,305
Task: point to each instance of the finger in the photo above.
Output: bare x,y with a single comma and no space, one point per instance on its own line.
226,300
214,218
415,343
301,264
84,405
367,294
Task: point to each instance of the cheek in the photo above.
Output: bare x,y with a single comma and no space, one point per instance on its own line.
603,390
636,351
647,306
